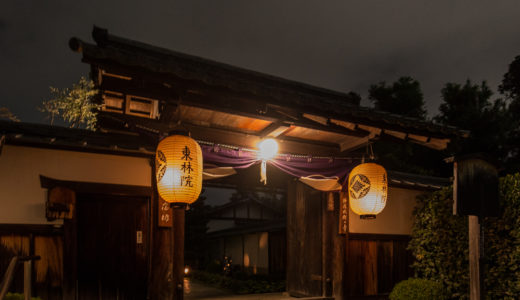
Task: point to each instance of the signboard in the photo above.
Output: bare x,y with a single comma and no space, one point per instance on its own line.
330,201
475,188
343,213
165,214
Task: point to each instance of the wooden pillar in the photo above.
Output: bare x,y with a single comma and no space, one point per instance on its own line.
160,285
27,276
328,228
474,256
178,251
70,252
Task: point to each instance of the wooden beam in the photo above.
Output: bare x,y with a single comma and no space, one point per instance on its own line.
379,237
240,139
98,188
318,119
27,229
274,129
186,87
355,144
226,102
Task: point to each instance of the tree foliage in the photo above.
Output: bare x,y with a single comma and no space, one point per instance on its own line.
403,97
502,243
73,105
510,88
440,243
5,113
469,106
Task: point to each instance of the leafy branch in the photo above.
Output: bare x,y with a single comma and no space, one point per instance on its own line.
5,113
73,105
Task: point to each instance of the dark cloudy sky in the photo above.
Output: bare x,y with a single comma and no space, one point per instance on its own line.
341,45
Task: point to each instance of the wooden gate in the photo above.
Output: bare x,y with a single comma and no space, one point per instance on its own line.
111,247
304,241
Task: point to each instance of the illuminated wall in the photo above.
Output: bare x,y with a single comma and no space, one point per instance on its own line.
250,251
22,199
396,217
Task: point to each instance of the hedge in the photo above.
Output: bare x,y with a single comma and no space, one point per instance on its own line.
418,289
440,243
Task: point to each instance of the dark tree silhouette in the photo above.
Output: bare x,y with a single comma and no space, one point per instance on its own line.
403,97
470,107
510,88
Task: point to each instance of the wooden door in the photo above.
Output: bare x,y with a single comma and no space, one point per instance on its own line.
304,241
375,263
112,234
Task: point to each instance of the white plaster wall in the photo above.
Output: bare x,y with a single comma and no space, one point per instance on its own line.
256,252
22,199
396,217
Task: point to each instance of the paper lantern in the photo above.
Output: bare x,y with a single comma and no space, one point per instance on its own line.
178,172
367,188
267,149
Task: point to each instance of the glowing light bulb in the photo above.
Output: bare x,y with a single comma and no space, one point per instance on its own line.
268,149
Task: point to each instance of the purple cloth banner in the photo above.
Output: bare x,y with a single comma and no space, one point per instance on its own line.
297,166
226,157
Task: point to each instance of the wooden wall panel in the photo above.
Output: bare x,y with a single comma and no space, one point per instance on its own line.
385,265
370,267
402,260
14,245
41,240
355,267
49,268
375,263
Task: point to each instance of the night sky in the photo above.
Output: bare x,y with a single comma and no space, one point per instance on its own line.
340,45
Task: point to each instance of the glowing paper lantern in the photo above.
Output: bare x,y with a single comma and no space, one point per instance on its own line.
267,149
178,162
367,188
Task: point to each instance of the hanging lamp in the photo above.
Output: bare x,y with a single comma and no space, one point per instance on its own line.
367,189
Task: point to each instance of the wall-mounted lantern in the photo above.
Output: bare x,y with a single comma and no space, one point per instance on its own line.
367,189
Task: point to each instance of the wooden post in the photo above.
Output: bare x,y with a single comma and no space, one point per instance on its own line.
474,256
70,252
27,270
161,252
178,251
327,229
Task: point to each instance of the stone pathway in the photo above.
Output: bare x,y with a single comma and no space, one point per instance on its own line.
194,290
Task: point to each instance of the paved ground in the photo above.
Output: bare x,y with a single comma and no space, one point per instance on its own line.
194,290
